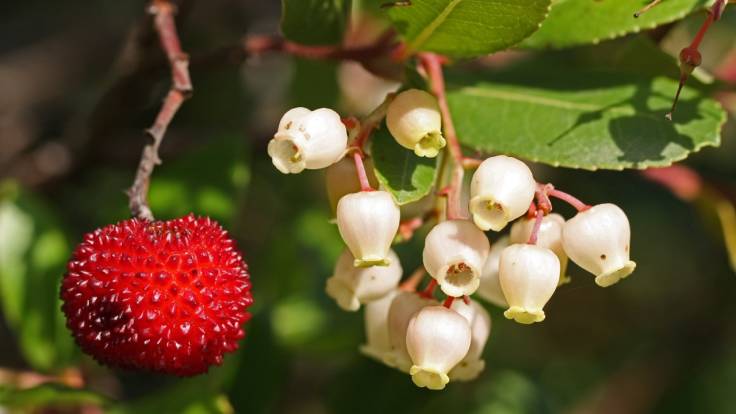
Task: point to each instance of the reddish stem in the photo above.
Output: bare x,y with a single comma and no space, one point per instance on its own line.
537,225
577,204
466,299
256,45
350,122
428,292
542,196
703,29
371,122
365,133
432,63
365,185
690,56
181,88
448,302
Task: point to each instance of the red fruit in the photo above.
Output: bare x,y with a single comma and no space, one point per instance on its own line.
168,297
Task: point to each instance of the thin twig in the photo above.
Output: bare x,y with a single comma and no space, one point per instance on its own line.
257,45
163,12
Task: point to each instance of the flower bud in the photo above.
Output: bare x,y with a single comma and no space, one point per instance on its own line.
598,240
414,120
480,328
375,316
341,178
529,276
490,286
549,237
350,286
403,307
368,221
437,339
454,254
362,91
308,139
501,190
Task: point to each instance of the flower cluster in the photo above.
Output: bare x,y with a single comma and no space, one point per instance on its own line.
436,342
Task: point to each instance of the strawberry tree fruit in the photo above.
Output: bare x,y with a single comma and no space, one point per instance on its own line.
162,296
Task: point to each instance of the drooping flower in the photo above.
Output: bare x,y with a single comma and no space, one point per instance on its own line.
501,191
599,240
308,140
414,120
437,339
368,222
454,254
529,275
352,286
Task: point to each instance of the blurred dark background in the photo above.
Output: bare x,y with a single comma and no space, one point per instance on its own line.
81,80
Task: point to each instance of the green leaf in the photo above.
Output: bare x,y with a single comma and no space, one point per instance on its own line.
407,177
467,28
314,22
49,396
583,118
577,22
33,253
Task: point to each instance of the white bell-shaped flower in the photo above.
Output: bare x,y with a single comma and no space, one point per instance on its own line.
350,286
454,254
308,140
549,236
414,120
480,328
529,275
598,240
490,286
501,190
368,222
437,339
341,178
403,307
377,344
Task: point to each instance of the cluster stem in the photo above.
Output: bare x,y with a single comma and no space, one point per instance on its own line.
537,225
365,184
569,199
428,292
432,64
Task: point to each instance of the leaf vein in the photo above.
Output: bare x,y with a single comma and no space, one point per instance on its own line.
428,31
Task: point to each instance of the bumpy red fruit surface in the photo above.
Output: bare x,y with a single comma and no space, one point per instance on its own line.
167,297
